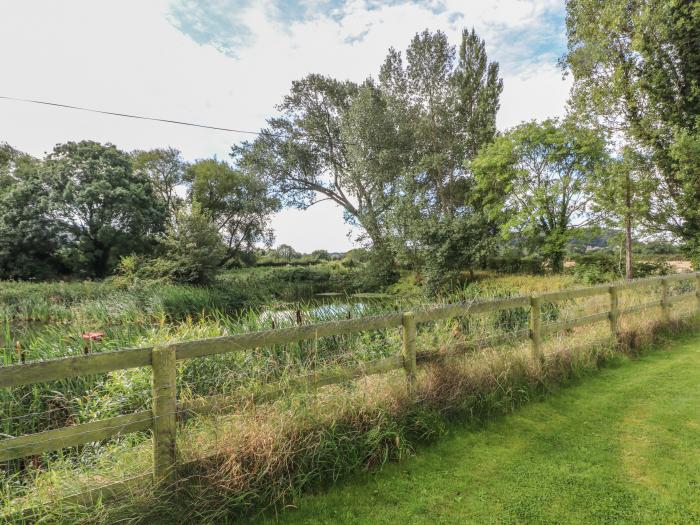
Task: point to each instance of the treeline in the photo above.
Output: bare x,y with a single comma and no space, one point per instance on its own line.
86,206
413,157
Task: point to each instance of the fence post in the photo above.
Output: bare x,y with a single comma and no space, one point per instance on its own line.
614,310
665,307
697,289
535,327
164,418
408,321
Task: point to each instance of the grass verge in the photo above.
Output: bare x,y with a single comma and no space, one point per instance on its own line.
267,457
621,447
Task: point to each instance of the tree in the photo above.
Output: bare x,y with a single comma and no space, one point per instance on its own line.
238,203
636,69
166,171
286,252
321,255
333,141
446,107
100,203
538,176
29,239
445,102
621,195
391,153
193,248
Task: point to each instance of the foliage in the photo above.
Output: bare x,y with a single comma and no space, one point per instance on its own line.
237,203
29,239
305,154
446,103
597,267
192,250
510,263
100,202
321,255
538,176
604,266
391,153
635,71
166,171
622,194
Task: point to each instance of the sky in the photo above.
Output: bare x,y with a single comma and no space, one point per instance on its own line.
228,63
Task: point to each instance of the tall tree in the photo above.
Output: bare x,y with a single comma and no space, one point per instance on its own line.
447,106
621,195
538,176
445,101
238,203
166,171
333,141
103,206
29,239
636,70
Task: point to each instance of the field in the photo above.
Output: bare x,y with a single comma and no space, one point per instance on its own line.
620,447
338,429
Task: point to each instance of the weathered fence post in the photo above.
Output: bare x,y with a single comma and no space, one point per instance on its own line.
614,310
665,306
164,417
536,327
697,289
408,320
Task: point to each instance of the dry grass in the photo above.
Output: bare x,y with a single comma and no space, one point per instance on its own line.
266,456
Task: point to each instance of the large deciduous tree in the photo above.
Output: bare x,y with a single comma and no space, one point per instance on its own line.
103,206
238,203
445,101
166,171
538,176
392,153
446,105
29,238
333,141
636,69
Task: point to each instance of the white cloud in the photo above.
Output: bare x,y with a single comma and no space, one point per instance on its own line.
126,56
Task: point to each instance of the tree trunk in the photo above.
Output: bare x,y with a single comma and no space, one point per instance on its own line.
628,228
557,261
628,247
101,259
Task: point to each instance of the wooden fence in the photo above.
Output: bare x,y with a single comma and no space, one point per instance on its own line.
162,419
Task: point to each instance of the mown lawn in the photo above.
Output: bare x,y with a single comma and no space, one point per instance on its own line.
620,447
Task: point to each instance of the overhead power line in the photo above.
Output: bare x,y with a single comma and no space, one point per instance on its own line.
141,117
128,115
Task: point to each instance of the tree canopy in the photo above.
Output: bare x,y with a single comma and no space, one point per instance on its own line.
538,176
238,204
100,202
637,71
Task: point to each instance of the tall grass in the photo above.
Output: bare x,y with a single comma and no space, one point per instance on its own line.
267,456
362,423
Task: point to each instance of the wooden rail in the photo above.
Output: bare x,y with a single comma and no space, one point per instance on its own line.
161,420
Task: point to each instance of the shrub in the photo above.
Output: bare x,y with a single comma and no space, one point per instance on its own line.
532,264
595,268
601,267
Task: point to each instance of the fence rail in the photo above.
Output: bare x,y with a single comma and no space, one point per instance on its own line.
162,419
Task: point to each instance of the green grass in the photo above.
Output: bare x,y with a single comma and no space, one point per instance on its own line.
622,446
